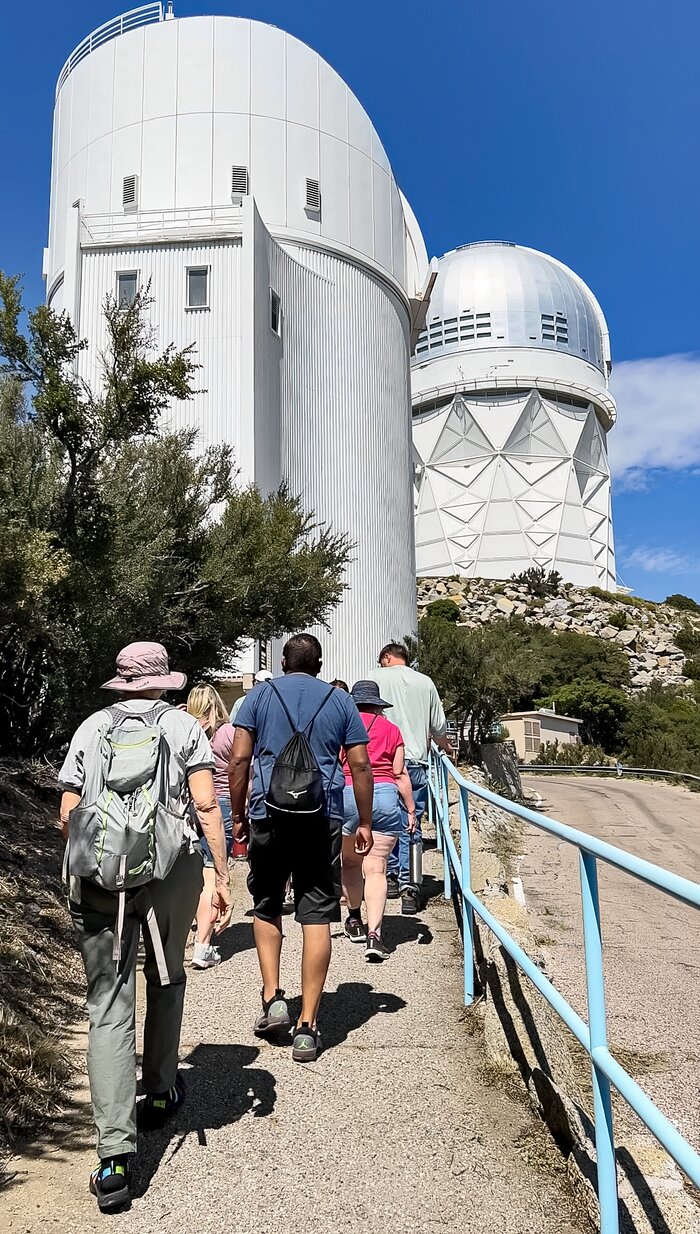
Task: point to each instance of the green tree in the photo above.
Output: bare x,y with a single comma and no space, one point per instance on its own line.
441,610
479,673
112,528
684,603
568,657
603,710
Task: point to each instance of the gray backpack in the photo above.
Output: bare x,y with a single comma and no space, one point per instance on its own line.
125,832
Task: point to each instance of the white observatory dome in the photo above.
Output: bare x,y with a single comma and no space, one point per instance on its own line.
493,294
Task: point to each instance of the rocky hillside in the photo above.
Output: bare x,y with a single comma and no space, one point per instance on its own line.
644,629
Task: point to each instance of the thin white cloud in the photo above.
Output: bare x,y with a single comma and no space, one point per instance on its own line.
658,426
660,561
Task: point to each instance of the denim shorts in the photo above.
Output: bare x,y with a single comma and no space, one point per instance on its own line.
225,807
386,815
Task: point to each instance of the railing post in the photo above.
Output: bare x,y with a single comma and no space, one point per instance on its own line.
467,913
595,985
445,812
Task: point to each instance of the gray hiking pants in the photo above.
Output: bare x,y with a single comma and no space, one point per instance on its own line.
111,994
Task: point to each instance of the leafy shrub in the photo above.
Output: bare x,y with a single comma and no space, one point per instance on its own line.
619,597
618,619
688,640
578,755
538,582
692,668
603,710
684,603
442,610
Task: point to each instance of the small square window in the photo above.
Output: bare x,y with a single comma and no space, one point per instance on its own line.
127,283
197,287
275,313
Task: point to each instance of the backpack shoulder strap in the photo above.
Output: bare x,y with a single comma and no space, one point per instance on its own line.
309,726
285,708
318,710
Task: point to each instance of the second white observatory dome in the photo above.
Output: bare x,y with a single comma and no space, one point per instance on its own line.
510,413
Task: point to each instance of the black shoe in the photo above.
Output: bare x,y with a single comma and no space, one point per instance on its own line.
306,1046
410,901
355,930
157,1108
392,887
376,951
274,1017
110,1183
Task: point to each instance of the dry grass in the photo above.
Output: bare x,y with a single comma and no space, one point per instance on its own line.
40,973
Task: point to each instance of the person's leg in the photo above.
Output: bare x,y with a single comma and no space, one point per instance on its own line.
205,914
352,877
374,867
174,900
269,872
316,957
317,890
268,944
111,1004
419,783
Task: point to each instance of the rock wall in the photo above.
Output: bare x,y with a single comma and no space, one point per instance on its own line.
647,636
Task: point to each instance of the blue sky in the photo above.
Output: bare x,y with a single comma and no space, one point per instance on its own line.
571,128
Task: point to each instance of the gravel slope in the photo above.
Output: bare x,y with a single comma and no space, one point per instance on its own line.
651,942
394,1127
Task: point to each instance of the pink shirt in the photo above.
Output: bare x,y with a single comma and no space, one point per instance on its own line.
221,746
384,740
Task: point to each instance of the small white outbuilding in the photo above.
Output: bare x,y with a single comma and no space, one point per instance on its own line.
530,730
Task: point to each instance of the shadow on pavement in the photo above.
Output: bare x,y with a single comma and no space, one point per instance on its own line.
400,930
238,938
348,1008
222,1087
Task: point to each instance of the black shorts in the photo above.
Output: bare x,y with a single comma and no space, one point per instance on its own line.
310,855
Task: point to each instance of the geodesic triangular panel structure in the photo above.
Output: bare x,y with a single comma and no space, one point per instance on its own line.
489,506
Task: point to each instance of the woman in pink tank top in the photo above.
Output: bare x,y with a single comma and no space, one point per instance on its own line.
207,706
385,750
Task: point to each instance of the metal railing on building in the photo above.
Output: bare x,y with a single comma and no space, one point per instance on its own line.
592,1035
145,227
143,16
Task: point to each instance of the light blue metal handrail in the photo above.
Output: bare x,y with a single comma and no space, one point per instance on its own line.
608,769
592,1036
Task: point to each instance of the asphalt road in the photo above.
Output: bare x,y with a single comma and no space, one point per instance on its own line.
651,942
394,1128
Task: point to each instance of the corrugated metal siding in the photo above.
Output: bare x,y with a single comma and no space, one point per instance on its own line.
216,332
346,435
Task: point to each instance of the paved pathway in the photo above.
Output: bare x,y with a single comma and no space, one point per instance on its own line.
652,943
394,1128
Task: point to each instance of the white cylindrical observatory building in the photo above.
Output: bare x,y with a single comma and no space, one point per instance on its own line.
227,164
511,409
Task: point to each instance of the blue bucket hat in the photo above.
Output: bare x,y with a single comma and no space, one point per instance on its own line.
367,692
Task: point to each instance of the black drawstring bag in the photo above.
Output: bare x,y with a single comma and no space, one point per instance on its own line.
296,792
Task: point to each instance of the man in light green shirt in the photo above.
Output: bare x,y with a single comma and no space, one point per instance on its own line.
415,709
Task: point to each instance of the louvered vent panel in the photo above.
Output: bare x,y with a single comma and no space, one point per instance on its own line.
130,192
313,196
239,181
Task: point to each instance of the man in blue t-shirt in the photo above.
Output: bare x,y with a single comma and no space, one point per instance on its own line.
309,852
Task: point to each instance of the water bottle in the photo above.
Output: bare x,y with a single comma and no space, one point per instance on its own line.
415,861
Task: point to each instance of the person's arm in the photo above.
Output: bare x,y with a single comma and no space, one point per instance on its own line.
239,779
201,786
69,800
403,783
438,723
363,787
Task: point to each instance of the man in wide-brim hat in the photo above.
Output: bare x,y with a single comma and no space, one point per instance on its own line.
109,923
